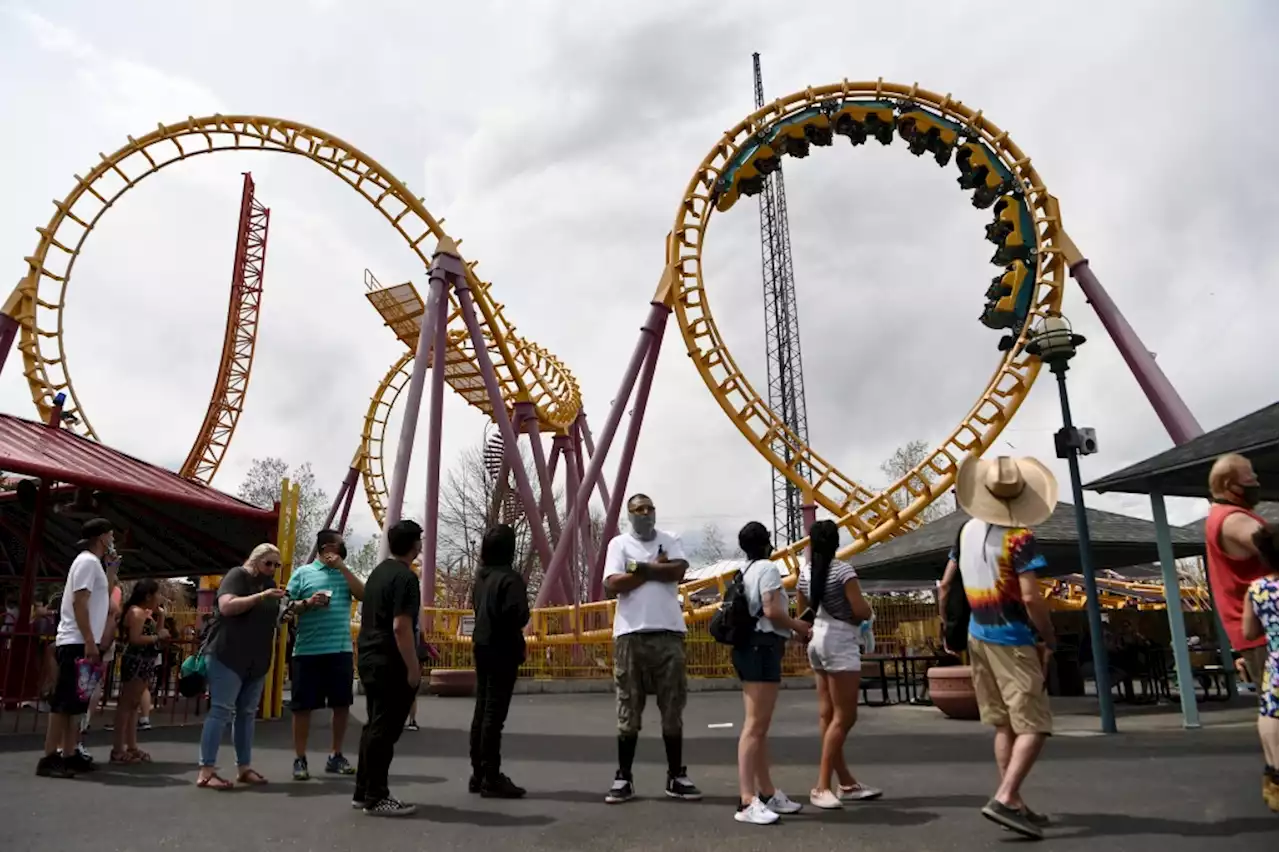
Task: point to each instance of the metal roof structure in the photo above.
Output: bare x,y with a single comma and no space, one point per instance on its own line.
167,526
1119,541
1183,471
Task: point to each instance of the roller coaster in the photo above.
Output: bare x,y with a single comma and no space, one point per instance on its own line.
462,332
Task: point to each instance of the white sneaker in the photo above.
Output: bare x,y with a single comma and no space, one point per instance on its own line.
859,793
780,804
756,813
825,799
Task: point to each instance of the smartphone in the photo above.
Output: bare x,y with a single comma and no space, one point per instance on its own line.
808,615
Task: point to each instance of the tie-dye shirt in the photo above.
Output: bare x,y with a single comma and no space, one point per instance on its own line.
990,559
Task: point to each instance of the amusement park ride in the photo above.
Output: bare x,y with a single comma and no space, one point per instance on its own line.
461,329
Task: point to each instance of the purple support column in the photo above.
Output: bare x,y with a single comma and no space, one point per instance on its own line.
650,332
588,552
1177,418
557,450
624,464
463,291
590,443
573,478
412,404
447,268
354,475
8,331
527,417
347,487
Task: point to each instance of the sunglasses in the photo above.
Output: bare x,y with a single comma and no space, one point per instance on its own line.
271,563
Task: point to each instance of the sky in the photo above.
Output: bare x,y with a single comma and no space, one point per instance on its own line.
557,139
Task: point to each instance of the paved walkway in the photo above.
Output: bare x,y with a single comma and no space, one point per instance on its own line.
1153,787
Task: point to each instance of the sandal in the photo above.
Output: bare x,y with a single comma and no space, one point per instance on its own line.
251,778
139,755
124,757
215,782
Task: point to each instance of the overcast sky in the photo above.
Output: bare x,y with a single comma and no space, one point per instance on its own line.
557,140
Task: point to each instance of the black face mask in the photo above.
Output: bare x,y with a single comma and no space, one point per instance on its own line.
1251,495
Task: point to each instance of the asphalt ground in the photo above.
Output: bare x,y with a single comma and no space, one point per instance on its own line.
1152,787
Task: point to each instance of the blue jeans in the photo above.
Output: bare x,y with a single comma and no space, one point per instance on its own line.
231,700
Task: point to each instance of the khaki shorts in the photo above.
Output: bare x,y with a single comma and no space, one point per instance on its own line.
1010,687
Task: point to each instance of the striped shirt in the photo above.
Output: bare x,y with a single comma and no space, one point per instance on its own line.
834,602
326,630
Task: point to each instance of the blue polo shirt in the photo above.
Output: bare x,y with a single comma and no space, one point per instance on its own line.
326,630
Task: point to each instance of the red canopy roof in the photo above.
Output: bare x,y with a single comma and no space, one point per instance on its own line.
35,449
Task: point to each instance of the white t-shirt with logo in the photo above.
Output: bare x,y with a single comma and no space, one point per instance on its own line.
653,606
86,573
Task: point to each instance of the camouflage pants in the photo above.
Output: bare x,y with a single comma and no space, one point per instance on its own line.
646,663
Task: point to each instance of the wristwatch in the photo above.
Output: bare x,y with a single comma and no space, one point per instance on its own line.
632,566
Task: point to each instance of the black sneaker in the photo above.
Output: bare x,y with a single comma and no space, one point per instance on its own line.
621,791
79,763
501,787
1012,819
53,766
680,787
475,782
391,807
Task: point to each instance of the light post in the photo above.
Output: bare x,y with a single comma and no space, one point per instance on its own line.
1053,342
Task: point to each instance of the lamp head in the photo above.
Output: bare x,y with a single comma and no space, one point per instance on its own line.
1052,341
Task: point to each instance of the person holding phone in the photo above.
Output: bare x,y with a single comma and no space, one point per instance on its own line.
829,595
237,649
323,667
643,568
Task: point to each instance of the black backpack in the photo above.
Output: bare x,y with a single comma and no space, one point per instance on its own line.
733,624
955,622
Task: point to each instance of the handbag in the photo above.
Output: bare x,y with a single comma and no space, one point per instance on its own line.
193,675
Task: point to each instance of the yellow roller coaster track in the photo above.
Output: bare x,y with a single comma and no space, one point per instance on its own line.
524,372
869,517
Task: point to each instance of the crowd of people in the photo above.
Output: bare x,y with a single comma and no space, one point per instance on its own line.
989,601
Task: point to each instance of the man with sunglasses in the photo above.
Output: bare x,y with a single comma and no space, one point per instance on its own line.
323,668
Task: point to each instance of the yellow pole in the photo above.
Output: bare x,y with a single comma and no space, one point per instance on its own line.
273,703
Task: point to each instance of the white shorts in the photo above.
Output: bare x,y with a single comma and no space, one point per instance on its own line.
835,646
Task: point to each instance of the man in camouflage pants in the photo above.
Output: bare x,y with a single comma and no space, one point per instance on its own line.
643,568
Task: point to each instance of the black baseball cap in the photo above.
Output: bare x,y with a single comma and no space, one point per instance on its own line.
95,527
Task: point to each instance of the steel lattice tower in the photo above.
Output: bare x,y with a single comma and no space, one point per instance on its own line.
782,343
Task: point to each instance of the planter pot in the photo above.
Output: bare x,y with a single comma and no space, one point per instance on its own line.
951,690
452,683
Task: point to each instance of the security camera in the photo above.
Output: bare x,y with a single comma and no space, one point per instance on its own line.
1088,441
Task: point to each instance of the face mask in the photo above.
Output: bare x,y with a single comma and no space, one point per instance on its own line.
1251,495
643,525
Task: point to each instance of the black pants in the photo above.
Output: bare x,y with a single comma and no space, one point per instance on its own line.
387,703
495,681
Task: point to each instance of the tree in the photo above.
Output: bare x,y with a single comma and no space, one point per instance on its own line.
364,559
261,487
713,547
902,462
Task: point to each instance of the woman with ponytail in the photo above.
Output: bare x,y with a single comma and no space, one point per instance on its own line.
828,594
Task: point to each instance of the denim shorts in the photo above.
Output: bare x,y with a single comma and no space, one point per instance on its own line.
760,661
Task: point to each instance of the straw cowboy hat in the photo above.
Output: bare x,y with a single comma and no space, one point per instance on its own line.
1006,491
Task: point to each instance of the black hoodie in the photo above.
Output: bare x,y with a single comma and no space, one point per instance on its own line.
502,610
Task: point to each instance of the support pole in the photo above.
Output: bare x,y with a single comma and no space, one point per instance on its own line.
1101,668
1173,604
8,331
590,444
527,418
557,450
446,267
585,548
467,307
346,504
570,579
347,487
628,456
658,313
412,405
1177,418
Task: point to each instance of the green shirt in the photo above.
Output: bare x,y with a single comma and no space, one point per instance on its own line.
325,630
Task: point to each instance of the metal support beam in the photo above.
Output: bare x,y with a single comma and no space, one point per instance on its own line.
589,441
1173,605
658,313
467,308
527,417
446,268
628,456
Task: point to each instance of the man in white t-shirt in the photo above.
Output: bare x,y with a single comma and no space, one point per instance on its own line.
81,626
643,568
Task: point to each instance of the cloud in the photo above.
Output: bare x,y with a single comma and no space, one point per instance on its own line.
558,144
